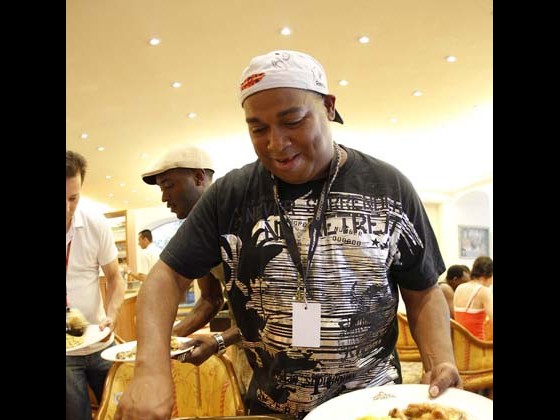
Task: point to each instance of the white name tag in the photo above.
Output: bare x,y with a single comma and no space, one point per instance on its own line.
306,327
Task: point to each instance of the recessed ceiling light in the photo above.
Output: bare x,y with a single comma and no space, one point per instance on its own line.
144,156
125,201
133,191
450,58
394,120
286,31
417,93
110,194
122,184
108,176
84,136
176,85
100,148
154,41
363,39
191,115
343,82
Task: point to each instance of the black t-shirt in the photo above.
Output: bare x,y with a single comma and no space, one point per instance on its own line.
376,235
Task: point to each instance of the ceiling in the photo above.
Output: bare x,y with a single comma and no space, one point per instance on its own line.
118,86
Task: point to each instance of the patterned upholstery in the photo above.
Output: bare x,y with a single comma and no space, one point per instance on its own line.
210,389
474,358
406,346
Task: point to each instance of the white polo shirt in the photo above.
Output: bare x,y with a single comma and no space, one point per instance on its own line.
92,246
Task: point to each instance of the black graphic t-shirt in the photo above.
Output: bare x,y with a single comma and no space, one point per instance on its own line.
376,236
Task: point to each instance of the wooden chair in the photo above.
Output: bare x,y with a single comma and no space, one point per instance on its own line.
406,346
93,402
474,358
210,389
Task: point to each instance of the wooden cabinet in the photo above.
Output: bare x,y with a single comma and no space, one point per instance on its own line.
126,322
126,237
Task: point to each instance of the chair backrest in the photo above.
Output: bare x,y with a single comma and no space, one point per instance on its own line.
210,389
474,358
406,346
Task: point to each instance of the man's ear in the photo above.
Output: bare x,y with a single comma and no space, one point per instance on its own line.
199,176
329,101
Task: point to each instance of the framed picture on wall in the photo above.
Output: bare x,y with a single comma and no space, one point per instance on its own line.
474,241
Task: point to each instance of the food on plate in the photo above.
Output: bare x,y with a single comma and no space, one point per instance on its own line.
375,418
126,354
428,411
421,411
175,344
73,341
76,322
131,354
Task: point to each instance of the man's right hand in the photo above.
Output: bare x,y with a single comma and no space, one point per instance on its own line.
204,346
147,397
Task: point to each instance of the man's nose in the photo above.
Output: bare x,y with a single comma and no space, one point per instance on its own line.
278,139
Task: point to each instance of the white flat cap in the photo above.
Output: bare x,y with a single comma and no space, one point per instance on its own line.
179,157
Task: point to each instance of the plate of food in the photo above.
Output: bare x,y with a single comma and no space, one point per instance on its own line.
91,335
126,352
407,401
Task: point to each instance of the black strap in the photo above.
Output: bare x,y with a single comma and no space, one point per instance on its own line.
315,224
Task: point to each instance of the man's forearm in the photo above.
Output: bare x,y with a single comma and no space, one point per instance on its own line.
203,311
115,296
156,309
428,316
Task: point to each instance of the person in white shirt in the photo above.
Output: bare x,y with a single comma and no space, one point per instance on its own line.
89,246
148,256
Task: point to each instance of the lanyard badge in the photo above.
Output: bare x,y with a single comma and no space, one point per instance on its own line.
306,327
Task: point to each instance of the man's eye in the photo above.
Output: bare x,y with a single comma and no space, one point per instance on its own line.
257,130
293,123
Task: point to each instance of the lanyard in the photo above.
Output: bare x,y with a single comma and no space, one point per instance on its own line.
314,226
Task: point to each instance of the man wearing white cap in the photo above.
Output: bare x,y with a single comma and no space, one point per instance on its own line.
316,240
183,173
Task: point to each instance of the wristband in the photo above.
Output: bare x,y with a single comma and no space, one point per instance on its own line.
221,343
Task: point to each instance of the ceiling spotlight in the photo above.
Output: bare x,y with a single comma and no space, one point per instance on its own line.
191,115
154,41
343,82
84,136
286,31
393,120
108,176
100,148
417,93
363,39
176,85
450,58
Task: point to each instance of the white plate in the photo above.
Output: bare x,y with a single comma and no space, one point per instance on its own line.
111,352
377,401
91,335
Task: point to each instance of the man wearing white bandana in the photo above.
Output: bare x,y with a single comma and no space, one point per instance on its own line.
316,239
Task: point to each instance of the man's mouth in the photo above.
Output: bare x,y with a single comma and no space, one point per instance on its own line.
286,162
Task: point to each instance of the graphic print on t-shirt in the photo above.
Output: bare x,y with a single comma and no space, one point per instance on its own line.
359,241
